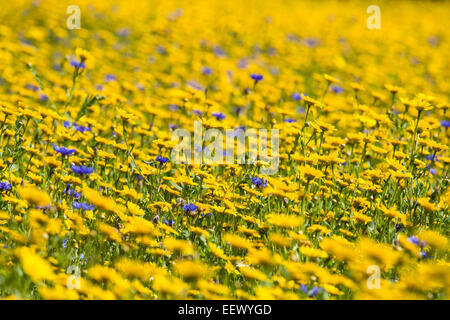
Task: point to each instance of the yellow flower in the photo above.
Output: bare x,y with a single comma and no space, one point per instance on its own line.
378,253
34,196
332,289
284,221
171,285
433,239
101,273
261,257
421,105
357,86
102,202
392,88
191,270
112,232
216,288
58,292
84,56
408,245
330,78
339,248
134,209
218,252
280,240
180,246
362,217
310,173
393,213
312,252
140,226
237,242
317,227
426,204
253,273
199,231
34,265
132,268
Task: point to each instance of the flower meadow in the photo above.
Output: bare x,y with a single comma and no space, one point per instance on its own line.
92,205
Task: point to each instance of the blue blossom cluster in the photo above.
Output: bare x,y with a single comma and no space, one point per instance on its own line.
5,186
81,170
64,151
261,183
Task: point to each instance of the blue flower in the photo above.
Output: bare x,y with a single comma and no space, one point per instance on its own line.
314,291
83,206
161,49
82,169
81,128
296,96
72,193
169,223
123,32
5,186
110,77
311,42
304,288
430,157
242,64
202,214
301,110
218,51
336,89
413,239
67,188
173,107
161,160
77,64
65,243
63,150
32,87
219,115
445,123
259,182
190,207
433,41
256,77
207,71
290,120
68,125
197,112
195,85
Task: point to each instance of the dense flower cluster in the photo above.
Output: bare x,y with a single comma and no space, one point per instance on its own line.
87,181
